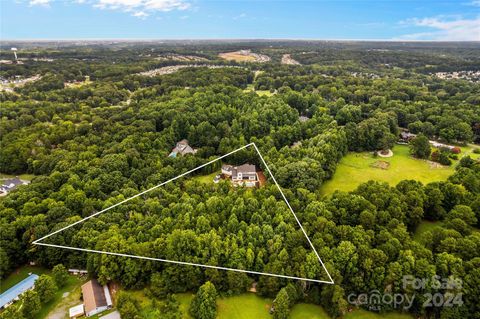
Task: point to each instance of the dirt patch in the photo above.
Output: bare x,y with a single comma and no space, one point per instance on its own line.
381,164
244,56
262,180
433,164
68,301
287,59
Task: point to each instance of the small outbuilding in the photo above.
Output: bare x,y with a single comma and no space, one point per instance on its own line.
76,311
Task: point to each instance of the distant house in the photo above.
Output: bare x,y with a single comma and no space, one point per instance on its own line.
406,136
243,175
78,271
303,119
10,184
12,294
182,148
441,145
95,298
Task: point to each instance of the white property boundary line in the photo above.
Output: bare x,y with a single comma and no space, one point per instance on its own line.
37,242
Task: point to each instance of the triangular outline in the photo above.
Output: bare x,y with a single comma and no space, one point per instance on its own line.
37,242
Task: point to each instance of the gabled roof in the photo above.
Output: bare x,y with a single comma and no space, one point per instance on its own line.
93,295
246,169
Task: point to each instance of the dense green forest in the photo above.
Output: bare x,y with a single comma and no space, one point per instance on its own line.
98,142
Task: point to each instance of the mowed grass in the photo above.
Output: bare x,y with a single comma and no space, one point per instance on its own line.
356,168
73,288
308,311
244,306
27,177
251,306
363,314
251,88
206,179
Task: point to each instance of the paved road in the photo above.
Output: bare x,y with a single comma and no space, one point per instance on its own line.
112,315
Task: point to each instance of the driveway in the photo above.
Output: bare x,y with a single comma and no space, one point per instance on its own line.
112,315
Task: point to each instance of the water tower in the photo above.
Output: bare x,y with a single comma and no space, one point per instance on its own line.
15,54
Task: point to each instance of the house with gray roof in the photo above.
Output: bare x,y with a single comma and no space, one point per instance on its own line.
182,148
243,175
10,184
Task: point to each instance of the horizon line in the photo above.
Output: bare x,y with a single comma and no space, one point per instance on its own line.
230,39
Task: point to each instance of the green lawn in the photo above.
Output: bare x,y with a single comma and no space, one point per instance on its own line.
61,304
27,177
356,168
207,179
244,306
252,306
363,314
308,311
185,299
251,88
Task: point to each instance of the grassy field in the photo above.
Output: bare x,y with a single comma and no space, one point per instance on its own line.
251,88
207,179
244,306
27,177
363,314
60,303
308,311
357,168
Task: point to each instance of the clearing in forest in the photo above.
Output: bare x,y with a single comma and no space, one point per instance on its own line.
357,168
244,56
231,224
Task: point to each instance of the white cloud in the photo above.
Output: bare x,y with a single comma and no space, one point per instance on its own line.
442,29
142,8
475,3
39,2
140,14
240,16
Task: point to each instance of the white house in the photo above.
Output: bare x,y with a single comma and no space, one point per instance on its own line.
243,175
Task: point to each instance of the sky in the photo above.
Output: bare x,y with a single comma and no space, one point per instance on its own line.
452,20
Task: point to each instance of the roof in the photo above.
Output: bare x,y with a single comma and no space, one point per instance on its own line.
76,311
93,295
227,167
12,182
246,168
183,148
12,293
303,118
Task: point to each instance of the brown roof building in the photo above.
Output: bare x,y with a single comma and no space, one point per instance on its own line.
95,298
